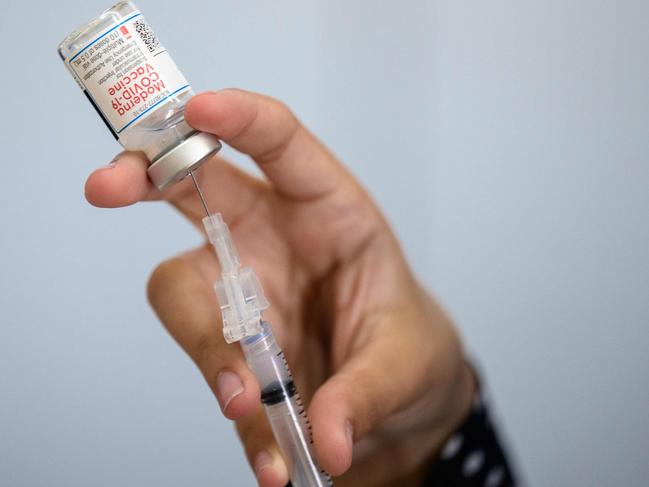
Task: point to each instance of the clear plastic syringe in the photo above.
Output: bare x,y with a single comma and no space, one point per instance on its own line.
284,408
242,301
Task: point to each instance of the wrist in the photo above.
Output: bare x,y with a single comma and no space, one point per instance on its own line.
422,448
473,454
468,389
459,410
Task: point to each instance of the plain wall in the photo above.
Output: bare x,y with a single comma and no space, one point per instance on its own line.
508,143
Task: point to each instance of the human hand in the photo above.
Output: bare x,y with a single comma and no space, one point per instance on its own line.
373,355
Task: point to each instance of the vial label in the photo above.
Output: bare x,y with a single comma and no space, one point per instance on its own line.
126,73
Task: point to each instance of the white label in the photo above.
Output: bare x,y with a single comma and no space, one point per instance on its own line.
126,72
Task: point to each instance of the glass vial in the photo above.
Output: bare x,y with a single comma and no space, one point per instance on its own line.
138,91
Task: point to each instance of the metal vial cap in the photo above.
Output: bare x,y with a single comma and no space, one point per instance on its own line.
174,165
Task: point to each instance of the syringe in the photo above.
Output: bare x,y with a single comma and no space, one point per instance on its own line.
242,301
284,408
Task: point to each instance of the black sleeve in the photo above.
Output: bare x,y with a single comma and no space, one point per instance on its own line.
473,456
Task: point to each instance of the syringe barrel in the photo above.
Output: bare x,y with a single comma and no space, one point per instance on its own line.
284,409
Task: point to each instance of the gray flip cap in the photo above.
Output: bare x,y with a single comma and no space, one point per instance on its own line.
175,164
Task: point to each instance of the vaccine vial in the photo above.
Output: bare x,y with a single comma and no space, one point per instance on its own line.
138,91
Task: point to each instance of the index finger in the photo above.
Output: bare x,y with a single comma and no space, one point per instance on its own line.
295,162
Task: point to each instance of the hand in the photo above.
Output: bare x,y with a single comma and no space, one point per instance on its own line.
373,355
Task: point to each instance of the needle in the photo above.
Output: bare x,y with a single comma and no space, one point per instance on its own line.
200,194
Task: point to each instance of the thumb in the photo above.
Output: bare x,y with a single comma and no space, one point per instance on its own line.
383,376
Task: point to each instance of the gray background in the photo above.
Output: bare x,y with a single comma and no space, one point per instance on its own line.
506,141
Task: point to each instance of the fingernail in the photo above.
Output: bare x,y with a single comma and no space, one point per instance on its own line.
263,460
115,160
112,163
228,386
349,432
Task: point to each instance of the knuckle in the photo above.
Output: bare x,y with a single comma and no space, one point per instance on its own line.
283,109
159,279
246,430
368,411
207,355
255,434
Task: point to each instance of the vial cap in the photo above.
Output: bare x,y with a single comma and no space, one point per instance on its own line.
174,165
